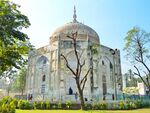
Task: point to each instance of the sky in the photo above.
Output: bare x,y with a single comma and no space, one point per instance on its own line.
111,19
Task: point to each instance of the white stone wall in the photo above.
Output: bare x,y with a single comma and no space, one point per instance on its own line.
59,79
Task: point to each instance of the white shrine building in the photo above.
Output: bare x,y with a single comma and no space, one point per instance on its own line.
48,77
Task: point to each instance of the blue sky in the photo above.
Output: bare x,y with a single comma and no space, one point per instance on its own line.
111,19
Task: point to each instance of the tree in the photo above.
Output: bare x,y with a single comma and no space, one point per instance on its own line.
137,45
20,81
131,80
80,82
14,44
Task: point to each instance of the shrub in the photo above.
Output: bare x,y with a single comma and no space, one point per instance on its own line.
138,103
59,105
103,105
21,104
7,105
37,105
145,104
24,104
54,106
87,106
34,105
68,104
133,105
47,105
27,105
114,105
15,101
95,106
122,105
43,105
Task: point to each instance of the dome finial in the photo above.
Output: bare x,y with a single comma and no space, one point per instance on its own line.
74,15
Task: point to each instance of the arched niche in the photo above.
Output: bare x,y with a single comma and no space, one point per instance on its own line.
110,66
43,60
70,83
42,74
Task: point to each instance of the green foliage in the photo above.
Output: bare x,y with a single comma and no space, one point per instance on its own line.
87,106
41,105
20,81
68,104
34,105
14,44
7,105
94,49
137,48
59,105
122,105
95,106
37,105
24,104
54,106
136,42
15,102
103,105
20,104
145,104
115,105
130,104
47,105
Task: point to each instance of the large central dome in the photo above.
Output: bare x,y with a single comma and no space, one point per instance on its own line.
75,26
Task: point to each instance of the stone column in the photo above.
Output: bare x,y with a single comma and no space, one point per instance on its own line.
58,70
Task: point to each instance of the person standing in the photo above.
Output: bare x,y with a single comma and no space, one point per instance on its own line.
76,96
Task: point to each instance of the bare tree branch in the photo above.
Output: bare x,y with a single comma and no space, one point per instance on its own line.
79,68
82,64
68,65
84,79
138,74
147,79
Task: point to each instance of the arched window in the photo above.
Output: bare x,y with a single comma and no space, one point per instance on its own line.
110,65
43,78
70,91
103,62
42,60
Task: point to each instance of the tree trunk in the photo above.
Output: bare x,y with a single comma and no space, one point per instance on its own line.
80,95
22,92
8,92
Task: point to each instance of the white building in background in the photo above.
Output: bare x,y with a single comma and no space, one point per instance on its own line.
49,79
142,88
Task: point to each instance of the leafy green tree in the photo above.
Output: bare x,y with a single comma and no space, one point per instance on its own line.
14,44
20,81
137,46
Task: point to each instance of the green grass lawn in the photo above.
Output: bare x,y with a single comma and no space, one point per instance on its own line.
147,110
